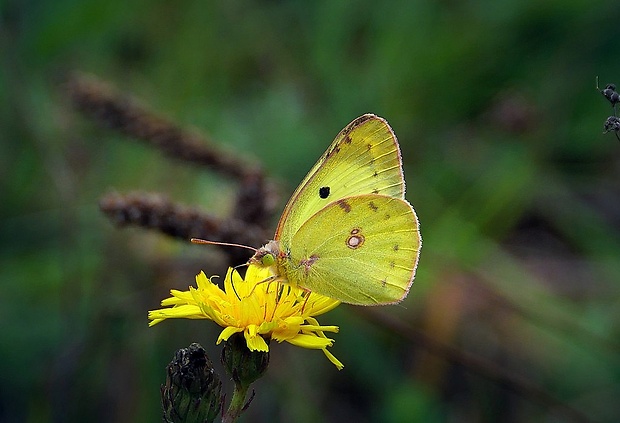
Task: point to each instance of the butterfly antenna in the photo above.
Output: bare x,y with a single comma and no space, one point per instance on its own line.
227,244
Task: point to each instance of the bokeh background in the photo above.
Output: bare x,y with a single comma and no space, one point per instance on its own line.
514,315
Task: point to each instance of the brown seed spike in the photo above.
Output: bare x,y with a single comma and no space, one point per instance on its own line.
344,206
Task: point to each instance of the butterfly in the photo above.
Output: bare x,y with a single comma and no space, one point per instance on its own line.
347,231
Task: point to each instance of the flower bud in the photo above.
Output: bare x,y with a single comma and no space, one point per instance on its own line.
243,365
192,393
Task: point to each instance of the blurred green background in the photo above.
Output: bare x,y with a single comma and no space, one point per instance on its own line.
500,125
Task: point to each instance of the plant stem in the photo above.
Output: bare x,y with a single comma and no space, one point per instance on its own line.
237,403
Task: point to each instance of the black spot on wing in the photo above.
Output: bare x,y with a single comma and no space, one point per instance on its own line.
324,192
373,206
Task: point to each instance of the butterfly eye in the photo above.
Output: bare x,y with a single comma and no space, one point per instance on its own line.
324,192
268,260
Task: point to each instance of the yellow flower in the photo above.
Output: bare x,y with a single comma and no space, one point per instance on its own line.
261,310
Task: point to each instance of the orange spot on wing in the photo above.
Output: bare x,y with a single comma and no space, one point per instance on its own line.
356,239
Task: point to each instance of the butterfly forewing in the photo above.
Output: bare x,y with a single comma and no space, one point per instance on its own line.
363,159
360,250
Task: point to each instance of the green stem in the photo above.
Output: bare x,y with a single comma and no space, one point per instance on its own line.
237,403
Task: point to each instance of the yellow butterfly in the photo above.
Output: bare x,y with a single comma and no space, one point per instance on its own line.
347,232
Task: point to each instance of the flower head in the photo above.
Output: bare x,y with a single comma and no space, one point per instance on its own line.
258,307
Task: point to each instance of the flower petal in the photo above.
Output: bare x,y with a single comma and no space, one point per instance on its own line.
259,306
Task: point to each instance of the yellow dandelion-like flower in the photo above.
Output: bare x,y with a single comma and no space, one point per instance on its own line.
260,310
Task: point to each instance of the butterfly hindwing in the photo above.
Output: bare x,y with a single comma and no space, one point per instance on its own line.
361,250
364,158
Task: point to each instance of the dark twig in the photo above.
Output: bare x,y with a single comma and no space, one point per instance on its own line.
610,93
612,124
255,200
154,211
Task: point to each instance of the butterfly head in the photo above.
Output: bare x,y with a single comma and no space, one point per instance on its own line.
267,255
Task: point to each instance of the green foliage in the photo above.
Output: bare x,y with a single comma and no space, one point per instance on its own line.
515,186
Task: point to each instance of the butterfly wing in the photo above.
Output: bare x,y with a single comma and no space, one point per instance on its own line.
360,250
364,158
